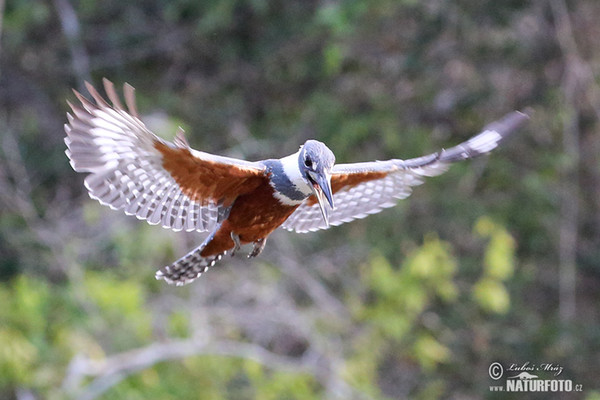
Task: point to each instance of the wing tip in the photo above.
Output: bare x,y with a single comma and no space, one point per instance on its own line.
510,123
506,126
129,94
490,137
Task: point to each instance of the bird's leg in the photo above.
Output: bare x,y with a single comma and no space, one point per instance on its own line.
259,245
236,241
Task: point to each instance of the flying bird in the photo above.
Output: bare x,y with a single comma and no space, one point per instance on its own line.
239,202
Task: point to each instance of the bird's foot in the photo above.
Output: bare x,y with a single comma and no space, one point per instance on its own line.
259,246
237,244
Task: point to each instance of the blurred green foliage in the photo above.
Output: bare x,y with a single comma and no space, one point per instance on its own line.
498,264
415,302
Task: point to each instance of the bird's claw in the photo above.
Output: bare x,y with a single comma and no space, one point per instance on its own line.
259,245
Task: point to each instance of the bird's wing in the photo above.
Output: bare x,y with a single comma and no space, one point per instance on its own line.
133,170
362,189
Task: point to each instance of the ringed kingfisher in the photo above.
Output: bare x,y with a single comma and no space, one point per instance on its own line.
239,202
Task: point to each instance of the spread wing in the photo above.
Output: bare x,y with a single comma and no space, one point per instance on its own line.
133,170
366,188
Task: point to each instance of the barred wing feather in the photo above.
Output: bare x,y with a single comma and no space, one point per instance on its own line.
127,163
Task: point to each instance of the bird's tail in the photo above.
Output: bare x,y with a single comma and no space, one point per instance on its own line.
188,268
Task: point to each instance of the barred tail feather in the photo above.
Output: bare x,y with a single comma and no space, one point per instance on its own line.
188,268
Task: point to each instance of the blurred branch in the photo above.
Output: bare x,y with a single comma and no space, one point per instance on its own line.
245,309
574,78
14,180
302,276
72,31
578,71
2,4
110,371
24,394
16,197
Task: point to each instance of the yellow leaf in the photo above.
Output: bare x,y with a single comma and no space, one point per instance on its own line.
492,296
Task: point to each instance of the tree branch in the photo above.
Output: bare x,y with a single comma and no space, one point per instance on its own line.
574,79
2,4
110,371
72,31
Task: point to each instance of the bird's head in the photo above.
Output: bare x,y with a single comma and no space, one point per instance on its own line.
315,161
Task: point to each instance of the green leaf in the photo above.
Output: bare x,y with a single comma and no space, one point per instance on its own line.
430,352
18,357
179,324
492,296
500,252
499,255
333,57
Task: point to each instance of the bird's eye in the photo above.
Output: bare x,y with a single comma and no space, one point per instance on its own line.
308,162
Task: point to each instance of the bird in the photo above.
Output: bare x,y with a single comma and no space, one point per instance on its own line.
238,202
524,376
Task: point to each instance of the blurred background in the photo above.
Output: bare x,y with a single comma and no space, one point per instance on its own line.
498,260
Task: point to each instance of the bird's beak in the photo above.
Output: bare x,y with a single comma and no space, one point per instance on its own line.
322,190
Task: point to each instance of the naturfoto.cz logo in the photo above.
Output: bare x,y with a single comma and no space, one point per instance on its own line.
526,378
